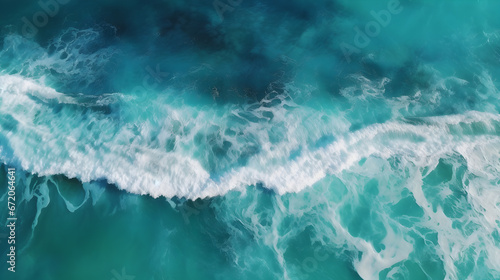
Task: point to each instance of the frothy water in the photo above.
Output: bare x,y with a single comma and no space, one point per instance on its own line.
186,144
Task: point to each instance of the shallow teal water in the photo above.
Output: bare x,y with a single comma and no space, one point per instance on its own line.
160,140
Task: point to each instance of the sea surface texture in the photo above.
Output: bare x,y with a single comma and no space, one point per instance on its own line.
238,139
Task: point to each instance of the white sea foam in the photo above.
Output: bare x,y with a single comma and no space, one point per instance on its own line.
69,56
91,146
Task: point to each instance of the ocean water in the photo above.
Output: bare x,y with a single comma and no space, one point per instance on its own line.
328,139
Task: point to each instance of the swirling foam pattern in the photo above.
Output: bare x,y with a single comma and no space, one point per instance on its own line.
163,141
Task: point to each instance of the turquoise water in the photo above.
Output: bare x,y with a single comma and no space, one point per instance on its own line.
261,140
